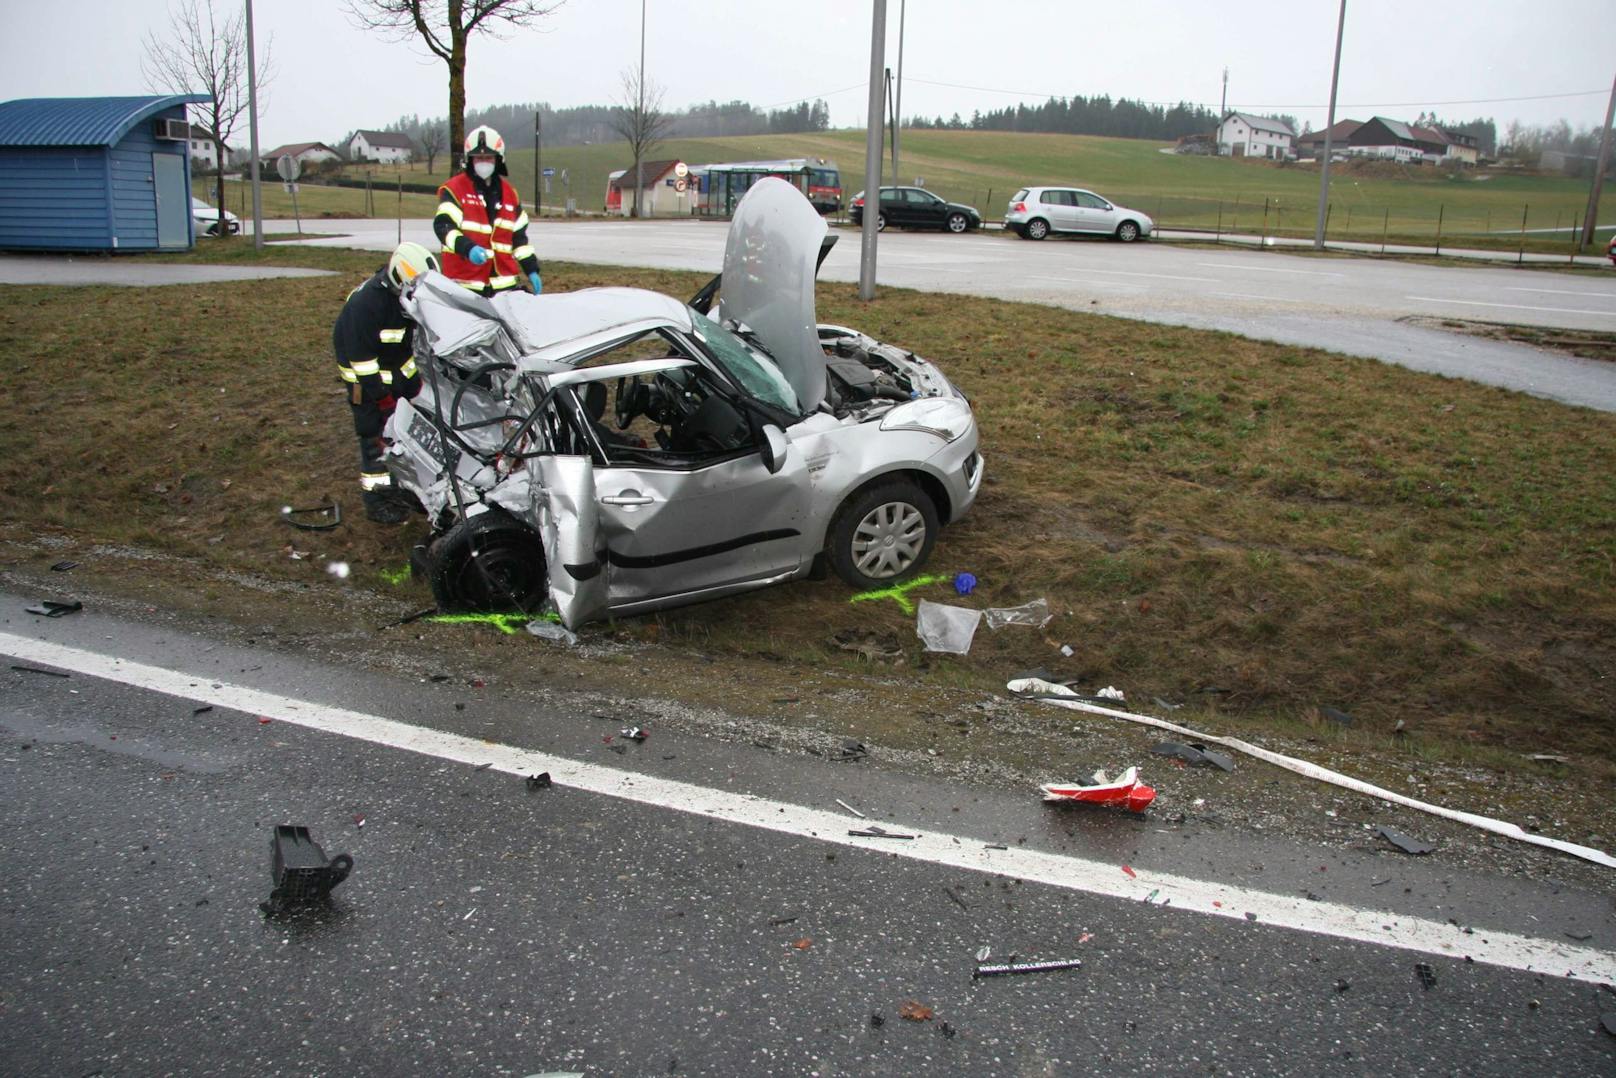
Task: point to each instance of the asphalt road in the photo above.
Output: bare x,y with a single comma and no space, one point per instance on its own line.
1348,305
684,905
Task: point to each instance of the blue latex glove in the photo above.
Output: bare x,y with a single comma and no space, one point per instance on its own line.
538,285
478,255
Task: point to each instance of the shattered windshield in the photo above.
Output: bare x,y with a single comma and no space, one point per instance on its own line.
751,369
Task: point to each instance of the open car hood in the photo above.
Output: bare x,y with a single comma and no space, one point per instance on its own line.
770,260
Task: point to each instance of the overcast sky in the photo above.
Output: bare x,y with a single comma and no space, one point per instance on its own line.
1532,60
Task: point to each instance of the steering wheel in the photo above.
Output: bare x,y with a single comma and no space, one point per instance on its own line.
630,401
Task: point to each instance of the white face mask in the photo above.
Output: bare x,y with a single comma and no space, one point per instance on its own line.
483,169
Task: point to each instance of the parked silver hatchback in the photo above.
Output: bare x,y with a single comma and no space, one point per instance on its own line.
1035,212
612,451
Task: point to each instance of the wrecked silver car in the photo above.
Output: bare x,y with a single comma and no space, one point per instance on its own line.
613,450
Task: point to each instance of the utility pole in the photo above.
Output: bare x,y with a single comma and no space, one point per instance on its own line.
872,151
1324,170
1591,220
897,122
1223,106
252,126
893,134
538,192
639,122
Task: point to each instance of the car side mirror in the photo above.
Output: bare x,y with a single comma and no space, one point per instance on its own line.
774,448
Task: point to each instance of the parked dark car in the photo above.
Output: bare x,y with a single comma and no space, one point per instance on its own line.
916,207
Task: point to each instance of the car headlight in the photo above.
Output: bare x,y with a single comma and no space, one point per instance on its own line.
946,417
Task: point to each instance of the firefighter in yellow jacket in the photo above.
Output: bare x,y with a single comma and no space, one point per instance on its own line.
481,224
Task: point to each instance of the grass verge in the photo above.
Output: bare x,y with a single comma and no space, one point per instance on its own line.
1252,529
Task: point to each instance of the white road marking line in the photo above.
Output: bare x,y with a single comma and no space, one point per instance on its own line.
1252,295
1083,283
1270,269
1564,292
1506,949
1510,306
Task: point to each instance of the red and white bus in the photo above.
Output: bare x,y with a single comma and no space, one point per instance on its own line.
723,185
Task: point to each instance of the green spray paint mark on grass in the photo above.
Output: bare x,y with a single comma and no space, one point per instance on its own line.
898,592
509,624
394,577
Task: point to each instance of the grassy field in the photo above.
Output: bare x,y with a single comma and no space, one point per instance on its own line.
1250,529
984,168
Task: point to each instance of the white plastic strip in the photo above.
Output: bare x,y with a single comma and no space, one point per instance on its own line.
1051,693
1553,957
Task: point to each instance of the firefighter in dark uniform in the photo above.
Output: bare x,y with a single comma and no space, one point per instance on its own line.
376,360
481,224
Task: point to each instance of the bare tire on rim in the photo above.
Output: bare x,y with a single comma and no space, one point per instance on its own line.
491,562
957,222
1037,229
1127,231
883,534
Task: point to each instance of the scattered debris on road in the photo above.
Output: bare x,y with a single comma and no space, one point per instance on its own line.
64,566
1126,791
869,646
851,809
1406,843
541,781
1062,696
1194,755
776,922
964,583
802,944
635,734
1036,614
316,518
302,873
1426,974
55,608
1010,969
37,670
552,631
853,750
958,901
879,832
914,1011
484,766
946,629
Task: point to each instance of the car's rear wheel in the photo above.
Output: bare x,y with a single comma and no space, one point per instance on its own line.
883,534
491,562
880,222
1128,231
958,222
1037,229
213,229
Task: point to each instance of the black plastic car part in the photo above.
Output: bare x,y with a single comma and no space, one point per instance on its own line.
300,869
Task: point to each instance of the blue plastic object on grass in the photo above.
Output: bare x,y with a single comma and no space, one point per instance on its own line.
964,583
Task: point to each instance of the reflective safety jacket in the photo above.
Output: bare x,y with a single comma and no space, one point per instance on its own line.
467,219
372,340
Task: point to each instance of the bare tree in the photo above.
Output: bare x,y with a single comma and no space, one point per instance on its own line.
639,119
446,27
431,139
202,54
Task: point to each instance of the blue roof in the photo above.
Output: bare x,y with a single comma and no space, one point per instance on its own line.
80,121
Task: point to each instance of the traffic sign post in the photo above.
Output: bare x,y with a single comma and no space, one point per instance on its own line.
290,169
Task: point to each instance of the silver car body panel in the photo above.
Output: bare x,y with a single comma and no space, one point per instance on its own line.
626,531
770,259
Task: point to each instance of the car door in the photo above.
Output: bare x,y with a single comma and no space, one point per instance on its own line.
926,209
1094,214
894,206
675,524
1060,209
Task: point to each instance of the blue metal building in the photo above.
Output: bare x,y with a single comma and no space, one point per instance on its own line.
96,173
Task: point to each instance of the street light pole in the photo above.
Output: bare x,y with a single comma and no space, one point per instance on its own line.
639,126
252,127
1324,170
872,150
897,121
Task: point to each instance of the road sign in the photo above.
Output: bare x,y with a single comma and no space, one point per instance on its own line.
681,170
679,185
289,167
548,172
291,188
